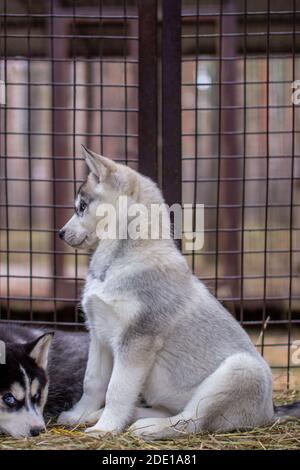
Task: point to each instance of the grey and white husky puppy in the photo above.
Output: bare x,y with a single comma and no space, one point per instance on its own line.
41,377
156,331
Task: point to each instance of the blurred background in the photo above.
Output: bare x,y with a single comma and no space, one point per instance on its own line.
196,94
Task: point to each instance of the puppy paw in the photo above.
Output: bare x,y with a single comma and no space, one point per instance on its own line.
97,431
74,417
94,417
105,426
151,429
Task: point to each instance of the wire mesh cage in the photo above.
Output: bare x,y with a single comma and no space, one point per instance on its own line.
239,62
70,72
197,95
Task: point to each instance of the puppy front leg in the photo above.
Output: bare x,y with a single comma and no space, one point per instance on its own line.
124,387
97,375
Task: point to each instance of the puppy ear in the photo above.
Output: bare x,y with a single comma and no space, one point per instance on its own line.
98,165
38,350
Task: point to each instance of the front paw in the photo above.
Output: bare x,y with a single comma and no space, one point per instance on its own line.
75,416
105,426
98,430
151,429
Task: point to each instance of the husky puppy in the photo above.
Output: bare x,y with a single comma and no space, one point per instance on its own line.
30,362
155,329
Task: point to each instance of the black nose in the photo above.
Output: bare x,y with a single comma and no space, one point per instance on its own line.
61,234
35,431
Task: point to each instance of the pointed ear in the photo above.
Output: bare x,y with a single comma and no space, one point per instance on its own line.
39,349
98,165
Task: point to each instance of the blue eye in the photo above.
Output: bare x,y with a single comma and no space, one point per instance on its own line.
9,400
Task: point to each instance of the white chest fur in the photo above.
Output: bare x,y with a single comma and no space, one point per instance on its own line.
108,312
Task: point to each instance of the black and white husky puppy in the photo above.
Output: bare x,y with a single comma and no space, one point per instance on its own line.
41,375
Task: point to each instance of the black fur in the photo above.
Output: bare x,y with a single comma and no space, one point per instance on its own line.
291,410
66,367
67,364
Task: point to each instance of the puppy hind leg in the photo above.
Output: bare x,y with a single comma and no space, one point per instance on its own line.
236,395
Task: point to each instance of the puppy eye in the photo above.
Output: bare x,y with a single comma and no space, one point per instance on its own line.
36,397
9,400
82,206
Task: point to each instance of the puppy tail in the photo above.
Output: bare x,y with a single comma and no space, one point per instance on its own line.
287,412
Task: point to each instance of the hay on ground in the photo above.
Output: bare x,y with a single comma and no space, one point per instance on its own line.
275,437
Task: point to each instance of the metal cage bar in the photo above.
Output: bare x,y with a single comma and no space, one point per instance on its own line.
148,85
171,101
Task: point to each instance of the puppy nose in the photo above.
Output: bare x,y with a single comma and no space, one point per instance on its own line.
35,431
61,234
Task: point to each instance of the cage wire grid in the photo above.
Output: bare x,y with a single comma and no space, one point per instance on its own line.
196,95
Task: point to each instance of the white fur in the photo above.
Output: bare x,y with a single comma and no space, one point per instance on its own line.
157,331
